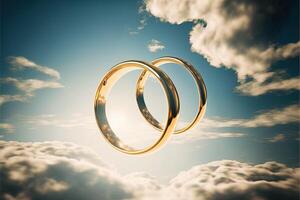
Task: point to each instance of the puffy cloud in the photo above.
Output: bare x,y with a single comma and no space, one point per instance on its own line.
57,170
232,180
233,36
21,63
155,46
6,128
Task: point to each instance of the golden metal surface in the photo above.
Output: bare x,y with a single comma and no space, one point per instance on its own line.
202,93
169,89
103,91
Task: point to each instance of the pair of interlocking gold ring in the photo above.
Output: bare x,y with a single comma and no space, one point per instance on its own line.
111,77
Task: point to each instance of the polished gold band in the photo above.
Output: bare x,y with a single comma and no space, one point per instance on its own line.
103,90
202,93
170,91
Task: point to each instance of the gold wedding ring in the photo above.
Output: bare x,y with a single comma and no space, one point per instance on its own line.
202,94
111,77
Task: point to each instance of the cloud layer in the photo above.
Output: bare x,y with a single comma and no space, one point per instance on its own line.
233,180
233,36
57,170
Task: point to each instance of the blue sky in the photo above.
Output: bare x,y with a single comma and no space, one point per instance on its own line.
83,40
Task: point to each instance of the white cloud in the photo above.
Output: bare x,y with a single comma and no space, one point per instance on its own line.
203,134
57,170
143,17
206,129
133,32
51,185
21,63
256,88
7,128
142,21
155,45
230,39
28,86
277,138
10,98
234,180
286,115
289,114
